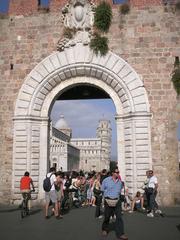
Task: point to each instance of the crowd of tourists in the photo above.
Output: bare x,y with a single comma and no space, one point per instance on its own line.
103,190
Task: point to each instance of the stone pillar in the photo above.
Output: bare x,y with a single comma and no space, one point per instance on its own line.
134,144
30,153
120,146
44,161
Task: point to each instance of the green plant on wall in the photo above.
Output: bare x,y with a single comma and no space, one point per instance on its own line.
99,44
178,5
176,76
103,16
102,22
176,80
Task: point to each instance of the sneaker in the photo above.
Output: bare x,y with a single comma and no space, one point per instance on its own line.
100,216
130,211
158,211
150,214
123,237
47,217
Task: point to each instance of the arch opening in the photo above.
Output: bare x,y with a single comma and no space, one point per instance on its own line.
62,72
83,113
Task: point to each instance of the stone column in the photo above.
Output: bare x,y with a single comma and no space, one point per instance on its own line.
44,161
120,145
134,144
30,153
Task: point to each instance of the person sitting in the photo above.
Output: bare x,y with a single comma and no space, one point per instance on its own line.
137,202
127,200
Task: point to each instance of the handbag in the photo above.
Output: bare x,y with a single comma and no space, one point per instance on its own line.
111,202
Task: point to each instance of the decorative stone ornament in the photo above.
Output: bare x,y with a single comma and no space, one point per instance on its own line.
78,16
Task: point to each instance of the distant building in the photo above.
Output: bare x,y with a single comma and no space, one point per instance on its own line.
87,154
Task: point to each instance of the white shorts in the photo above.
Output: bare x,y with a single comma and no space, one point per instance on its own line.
51,196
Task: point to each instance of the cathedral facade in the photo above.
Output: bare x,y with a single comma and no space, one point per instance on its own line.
87,154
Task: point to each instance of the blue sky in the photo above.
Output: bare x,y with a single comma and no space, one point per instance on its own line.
178,131
83,117
4,5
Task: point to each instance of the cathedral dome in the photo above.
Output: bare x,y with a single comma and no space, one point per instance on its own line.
61,123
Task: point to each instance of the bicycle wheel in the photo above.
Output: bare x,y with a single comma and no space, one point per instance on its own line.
23,209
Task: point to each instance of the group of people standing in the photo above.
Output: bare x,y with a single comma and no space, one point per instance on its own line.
97,189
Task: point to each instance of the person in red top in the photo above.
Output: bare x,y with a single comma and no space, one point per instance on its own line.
25,185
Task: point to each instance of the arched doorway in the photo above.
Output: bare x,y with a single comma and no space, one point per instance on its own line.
59,72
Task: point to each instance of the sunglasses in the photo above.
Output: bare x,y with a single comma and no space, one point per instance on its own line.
116,172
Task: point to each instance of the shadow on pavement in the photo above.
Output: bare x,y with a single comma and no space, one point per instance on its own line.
178,227
13,209
172,216
35,211
9,210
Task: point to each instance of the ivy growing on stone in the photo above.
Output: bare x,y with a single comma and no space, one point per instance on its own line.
103,16
176,80
176,76
99,44
102,22
178,5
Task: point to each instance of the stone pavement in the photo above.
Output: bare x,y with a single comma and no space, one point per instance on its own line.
80,224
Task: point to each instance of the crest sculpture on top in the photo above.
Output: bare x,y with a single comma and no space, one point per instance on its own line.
78,19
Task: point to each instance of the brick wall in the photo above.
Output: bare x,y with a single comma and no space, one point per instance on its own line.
144,3
55,5
24,7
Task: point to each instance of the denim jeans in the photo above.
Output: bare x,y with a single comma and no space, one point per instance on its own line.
151,196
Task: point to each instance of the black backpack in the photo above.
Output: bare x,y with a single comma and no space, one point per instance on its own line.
47,183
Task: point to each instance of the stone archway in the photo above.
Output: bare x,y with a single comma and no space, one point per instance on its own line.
60,70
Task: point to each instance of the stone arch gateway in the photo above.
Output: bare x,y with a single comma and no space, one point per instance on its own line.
57,72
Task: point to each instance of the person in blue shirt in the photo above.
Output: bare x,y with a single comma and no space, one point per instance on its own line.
111,188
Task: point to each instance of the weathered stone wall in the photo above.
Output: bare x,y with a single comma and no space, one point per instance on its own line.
148,38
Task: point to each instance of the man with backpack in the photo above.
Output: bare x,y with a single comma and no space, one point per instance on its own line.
50,192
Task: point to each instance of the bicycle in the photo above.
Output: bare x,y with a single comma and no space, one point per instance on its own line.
24,205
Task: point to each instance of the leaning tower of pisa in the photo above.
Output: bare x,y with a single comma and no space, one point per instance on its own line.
104,133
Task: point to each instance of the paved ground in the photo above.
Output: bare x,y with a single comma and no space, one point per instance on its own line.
80,224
